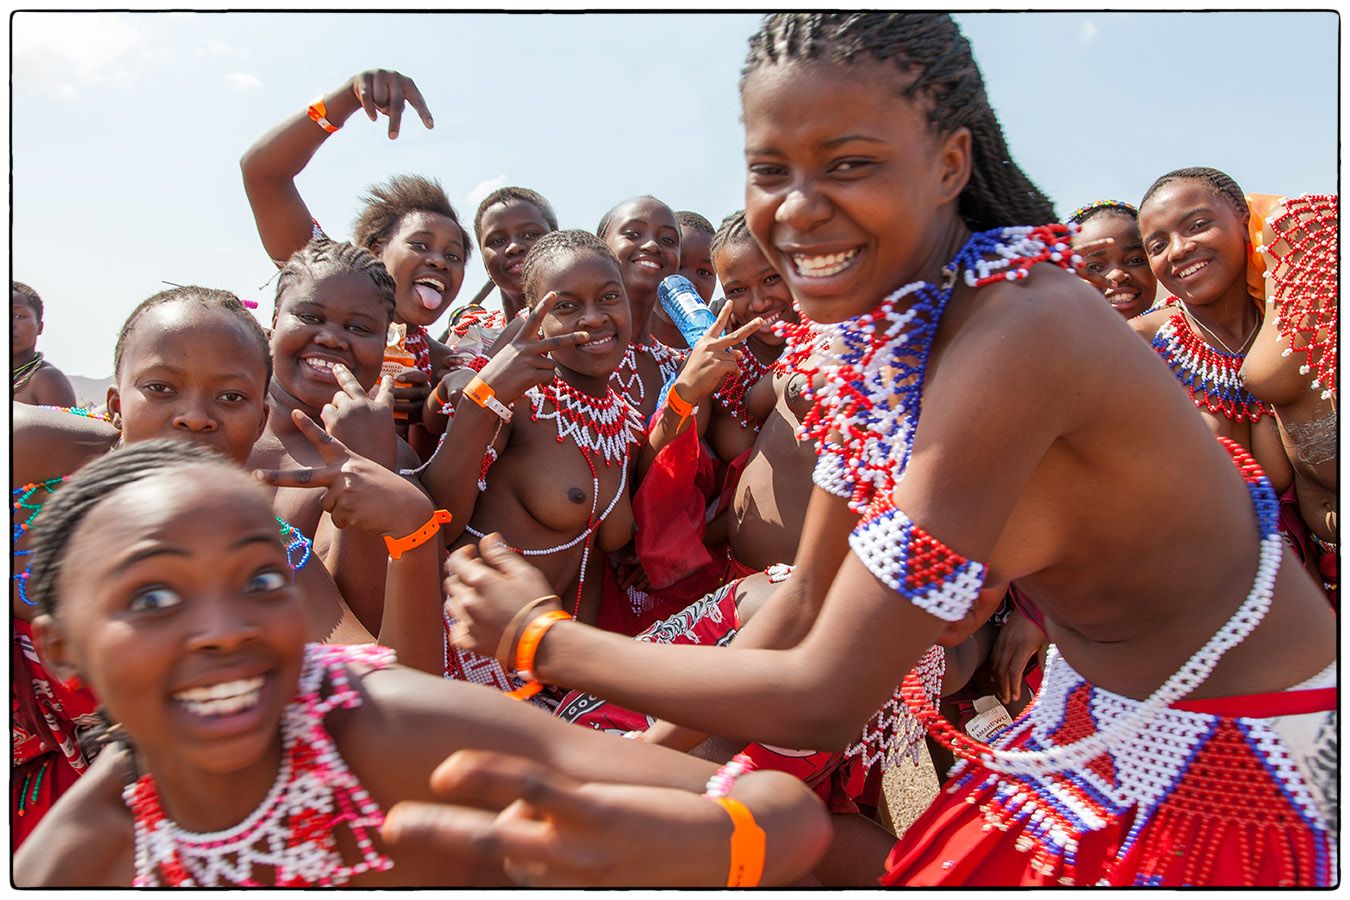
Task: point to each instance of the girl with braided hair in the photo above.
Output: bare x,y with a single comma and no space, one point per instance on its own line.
979,417
1113,255
242,756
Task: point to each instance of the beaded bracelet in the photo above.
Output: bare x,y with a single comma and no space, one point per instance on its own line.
480,392
747,844
528,647
399,546
318,111
719,785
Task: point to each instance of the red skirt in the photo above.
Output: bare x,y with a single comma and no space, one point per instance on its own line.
1202,796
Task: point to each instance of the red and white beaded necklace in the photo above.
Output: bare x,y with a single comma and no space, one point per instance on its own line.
628,380
1303,265
292,833
731,392
606,426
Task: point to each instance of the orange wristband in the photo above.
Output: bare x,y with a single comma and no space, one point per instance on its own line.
678,405
480,392
319,113
399,546
528,646
747,844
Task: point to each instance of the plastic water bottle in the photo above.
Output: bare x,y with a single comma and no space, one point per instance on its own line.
685,307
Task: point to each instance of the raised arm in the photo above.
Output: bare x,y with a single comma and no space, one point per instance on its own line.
271,164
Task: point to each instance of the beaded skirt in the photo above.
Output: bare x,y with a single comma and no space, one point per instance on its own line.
1227,792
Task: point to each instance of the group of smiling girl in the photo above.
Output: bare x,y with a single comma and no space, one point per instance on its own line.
969,414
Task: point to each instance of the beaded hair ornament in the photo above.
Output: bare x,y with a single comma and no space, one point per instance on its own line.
1081,212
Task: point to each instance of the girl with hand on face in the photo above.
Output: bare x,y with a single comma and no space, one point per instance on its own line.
244,757
407,222
1113,255
980,418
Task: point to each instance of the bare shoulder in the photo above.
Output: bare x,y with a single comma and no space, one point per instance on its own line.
49,443
52,387
87,839
1146,324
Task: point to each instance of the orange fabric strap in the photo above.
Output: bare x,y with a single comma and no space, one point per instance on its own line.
480,392
399,546
678,405
319,113
747,844
528,647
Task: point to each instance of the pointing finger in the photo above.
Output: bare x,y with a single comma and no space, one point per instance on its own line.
744,331
563,340
395,108
347,381
536,315
383,391
321,477
330,448
417,102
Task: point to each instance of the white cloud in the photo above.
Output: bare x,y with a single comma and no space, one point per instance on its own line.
64,53
482,189
243,81
1087,32
219,48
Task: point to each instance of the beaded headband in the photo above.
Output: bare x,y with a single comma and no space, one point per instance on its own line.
1082,211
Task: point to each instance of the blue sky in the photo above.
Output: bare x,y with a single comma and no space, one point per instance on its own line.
128,128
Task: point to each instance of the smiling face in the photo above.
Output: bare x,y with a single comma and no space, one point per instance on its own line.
425,256
192,373
338,318
696,261
645,238
591,298
847,190
1195,241
183,619
1119,270
24,326
509,231
754,288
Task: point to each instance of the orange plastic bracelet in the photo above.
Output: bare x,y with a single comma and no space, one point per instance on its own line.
747,844
319,113
480,392
528,646
399,546
678,405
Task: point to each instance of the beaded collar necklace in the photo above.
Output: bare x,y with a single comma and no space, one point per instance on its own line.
415,342
628,381
731,392
873,366
20,374
291,836
606,426
1303,264
1209,375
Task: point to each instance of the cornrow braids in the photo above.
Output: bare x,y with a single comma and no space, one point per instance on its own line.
1220,183
552,245
733,230
929,49
325,256
29,296
1098,207
693,221
608,218
506,195
205,298
62,514
385,205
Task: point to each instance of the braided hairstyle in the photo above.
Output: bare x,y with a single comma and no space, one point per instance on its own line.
205,298
385,205
506,195
325,256
1220,183
608,218
29,296
733,230
693,221
553,245
930,49
62,514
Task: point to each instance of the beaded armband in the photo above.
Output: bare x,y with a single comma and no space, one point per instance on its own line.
925,571
831,473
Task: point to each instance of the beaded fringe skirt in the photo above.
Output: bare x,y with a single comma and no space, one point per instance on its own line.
1227,792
